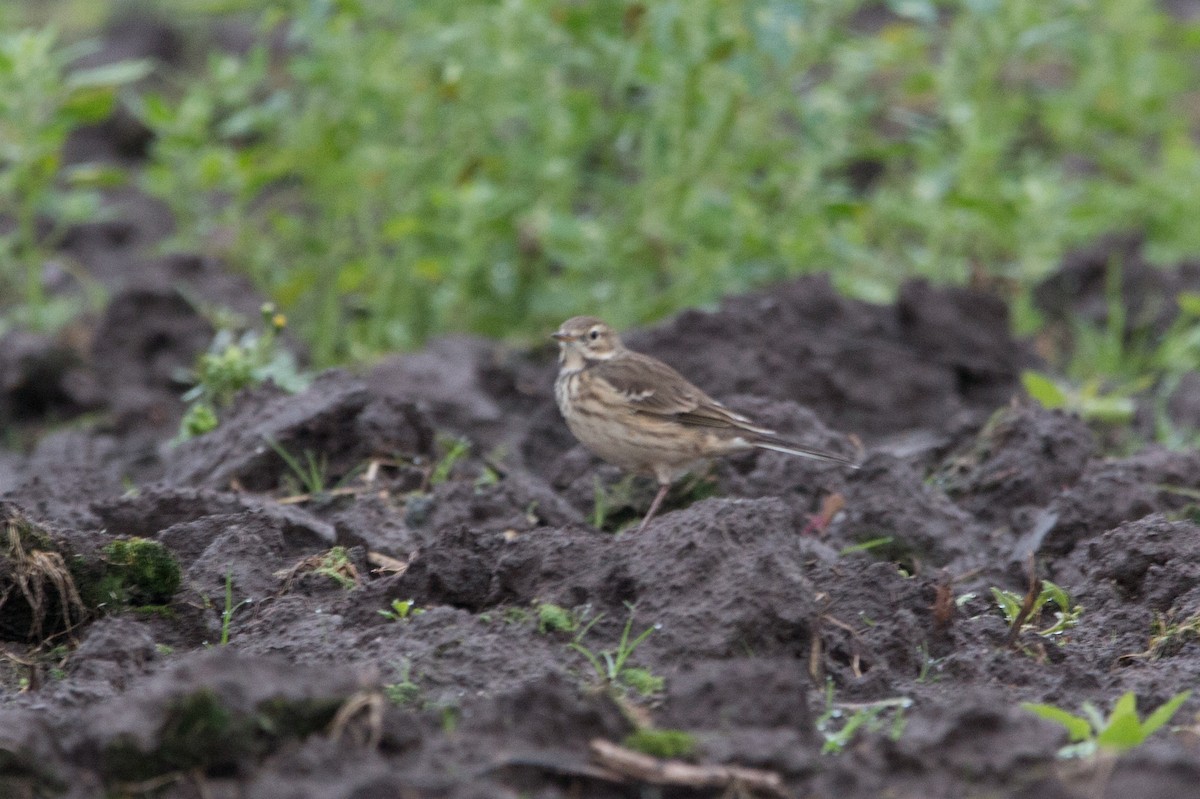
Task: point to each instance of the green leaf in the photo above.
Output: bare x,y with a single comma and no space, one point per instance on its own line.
1124,730
1078,728
110,75
1164,713
1043,389
1008,604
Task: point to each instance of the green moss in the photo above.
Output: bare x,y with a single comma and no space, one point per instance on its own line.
662,743
137,572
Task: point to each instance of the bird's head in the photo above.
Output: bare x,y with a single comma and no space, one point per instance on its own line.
584,339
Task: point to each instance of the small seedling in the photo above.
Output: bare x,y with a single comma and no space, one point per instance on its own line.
233,363
1090,400
866,546
1065,617
308,477
401,609
1122,730
883,715
1168,637
456,449
612,666
337,566
554,618
230,608
404,691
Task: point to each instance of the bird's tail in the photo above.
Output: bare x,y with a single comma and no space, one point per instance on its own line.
778,445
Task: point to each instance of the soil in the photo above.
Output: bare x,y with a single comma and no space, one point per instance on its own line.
776,590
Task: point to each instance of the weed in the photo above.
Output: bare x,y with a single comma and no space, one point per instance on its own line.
553,618
41,102
885,715
404,691
1066,614
455,450
234,362
612,666
1122,730
1090,400
230,608
337,566
1167,637
310,477
401,609
661,743
867,546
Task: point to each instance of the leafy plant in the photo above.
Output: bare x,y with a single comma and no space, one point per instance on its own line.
1066,615
1090,400
404,691
841,722
456,449
41,101
468,166
401,609
1120,731
554,618
337,566
612,665
234,362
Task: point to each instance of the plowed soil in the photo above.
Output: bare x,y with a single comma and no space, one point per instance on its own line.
784,595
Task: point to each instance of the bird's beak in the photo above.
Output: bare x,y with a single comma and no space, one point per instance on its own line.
560,336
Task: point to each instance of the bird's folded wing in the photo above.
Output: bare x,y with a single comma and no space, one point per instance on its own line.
650,386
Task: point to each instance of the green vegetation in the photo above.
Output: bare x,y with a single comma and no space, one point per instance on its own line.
137,572
309,476
1066,615
404,691
554,618
414,168
401,609
41,102
1122,730
612,666
337,566
234,362
229,609
661,743
841,721
454,450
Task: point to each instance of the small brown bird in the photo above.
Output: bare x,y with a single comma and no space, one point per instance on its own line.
637,413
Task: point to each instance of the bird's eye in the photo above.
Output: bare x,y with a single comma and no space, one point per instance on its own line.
595,334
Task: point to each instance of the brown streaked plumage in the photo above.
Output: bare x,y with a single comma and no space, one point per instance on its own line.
637,413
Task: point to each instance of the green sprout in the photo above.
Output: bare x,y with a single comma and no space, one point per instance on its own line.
1121,731
401,609
1066,614
612,665
842,721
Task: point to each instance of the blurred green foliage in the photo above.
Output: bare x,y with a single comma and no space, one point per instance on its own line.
41,102
497,165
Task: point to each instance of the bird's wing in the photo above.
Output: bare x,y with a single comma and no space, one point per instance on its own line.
652,387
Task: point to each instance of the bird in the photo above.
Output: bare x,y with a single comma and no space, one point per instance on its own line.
639,414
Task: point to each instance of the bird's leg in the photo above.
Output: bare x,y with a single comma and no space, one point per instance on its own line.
658,498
